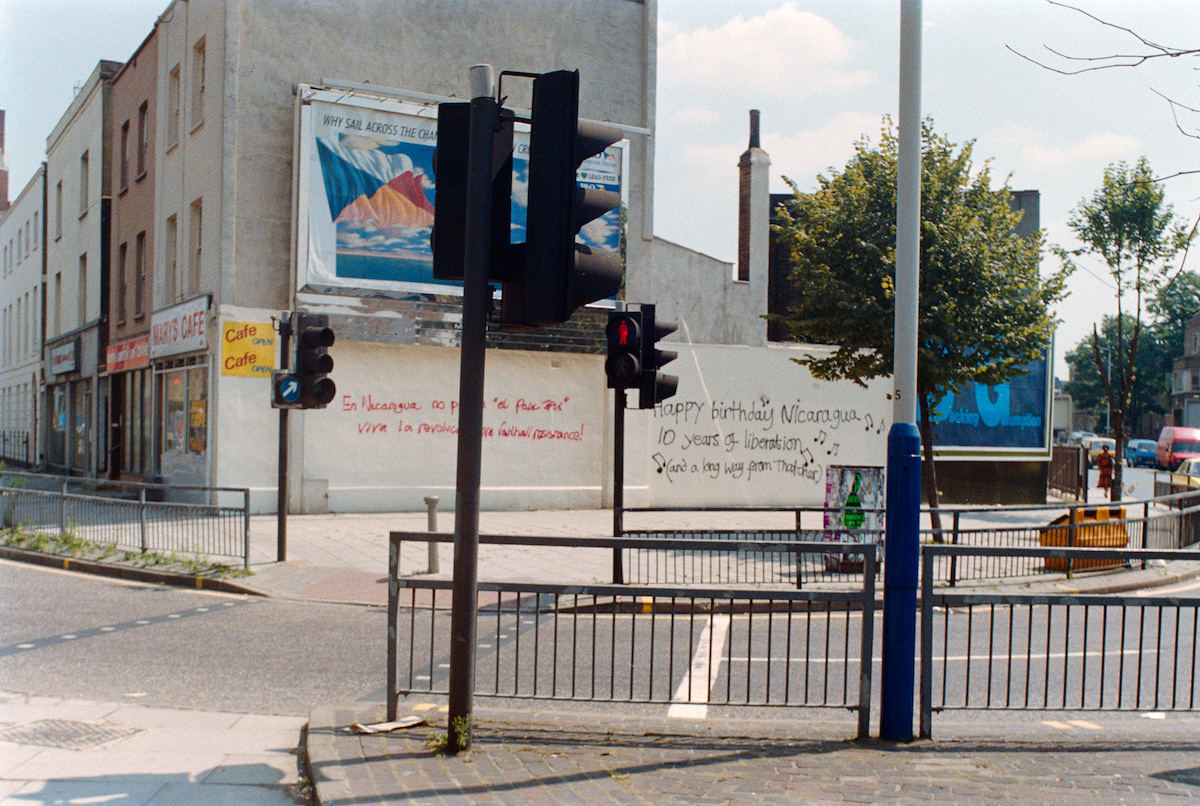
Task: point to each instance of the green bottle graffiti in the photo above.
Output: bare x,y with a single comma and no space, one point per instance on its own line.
852,513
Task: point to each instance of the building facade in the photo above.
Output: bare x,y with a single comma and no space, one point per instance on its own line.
78,162
127,381
22,245
246,145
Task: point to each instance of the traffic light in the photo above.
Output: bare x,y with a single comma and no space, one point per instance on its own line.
624,363
558,275
653,386
450,163
313,338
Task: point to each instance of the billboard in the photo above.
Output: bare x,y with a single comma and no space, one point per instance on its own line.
1009,418
367,192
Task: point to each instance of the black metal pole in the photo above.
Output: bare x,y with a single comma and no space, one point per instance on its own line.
618,483
285,341
476,296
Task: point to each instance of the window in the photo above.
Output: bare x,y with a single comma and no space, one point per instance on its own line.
122,282
57,303
81,295
139,276
84,179
198,81
173,108
58,210
124,155
171,263
37,231
195,251
143,138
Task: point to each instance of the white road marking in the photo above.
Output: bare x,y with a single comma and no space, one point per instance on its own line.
691,697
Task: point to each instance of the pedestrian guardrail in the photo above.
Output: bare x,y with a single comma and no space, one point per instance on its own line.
1171,521
686,646
127,517
1051,651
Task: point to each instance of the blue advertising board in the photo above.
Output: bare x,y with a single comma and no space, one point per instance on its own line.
1009,417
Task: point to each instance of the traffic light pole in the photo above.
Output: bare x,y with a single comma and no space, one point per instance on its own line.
285,343
485,117
618,572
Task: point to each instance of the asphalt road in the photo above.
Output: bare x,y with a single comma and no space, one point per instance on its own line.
65,634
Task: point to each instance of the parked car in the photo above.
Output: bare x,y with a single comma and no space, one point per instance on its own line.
1140,452
1187,476
1176,443
1079,437
1095,445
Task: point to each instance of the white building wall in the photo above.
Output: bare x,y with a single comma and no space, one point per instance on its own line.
23,249
76,254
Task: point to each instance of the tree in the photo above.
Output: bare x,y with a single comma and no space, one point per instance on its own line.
984,307
1128,226
1086,386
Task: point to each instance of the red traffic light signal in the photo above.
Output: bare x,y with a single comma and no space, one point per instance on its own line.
624,362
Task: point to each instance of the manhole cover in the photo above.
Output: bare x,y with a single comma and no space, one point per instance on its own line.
65,733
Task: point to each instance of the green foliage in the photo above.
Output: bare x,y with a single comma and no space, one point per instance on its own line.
440,743
1128,225
984,307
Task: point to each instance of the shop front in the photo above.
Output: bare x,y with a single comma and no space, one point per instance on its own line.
181,382
131,410
70,393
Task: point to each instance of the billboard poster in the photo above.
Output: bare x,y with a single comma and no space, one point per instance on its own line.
1009,417
367,194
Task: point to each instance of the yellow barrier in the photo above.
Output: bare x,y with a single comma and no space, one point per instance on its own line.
1099,528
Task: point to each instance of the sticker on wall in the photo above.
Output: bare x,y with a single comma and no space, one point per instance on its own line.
854,500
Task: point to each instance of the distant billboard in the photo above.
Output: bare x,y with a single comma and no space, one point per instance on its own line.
367,192
1008,419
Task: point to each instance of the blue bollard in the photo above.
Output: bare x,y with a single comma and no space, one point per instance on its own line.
902,556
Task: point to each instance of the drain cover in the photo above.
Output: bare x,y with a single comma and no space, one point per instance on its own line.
65,733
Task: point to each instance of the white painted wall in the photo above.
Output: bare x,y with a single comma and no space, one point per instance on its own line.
750,427
747,427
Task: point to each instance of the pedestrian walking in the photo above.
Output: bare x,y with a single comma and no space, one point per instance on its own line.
1105,463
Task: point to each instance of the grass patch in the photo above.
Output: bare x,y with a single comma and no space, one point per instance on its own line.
69,544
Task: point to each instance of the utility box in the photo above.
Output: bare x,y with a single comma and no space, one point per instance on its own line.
1098,528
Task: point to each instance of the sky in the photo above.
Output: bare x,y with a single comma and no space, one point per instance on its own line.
824,74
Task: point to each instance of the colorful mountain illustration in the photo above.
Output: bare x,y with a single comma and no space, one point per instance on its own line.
377,185
399,203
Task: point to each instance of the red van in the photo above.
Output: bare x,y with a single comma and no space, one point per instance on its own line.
1175,444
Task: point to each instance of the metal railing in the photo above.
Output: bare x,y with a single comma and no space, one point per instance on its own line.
14,446
130,521
1171,521
1046,651
683,646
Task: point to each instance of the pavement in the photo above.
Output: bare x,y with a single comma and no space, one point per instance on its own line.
75,751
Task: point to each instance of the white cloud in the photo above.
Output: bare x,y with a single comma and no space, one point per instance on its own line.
784,53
